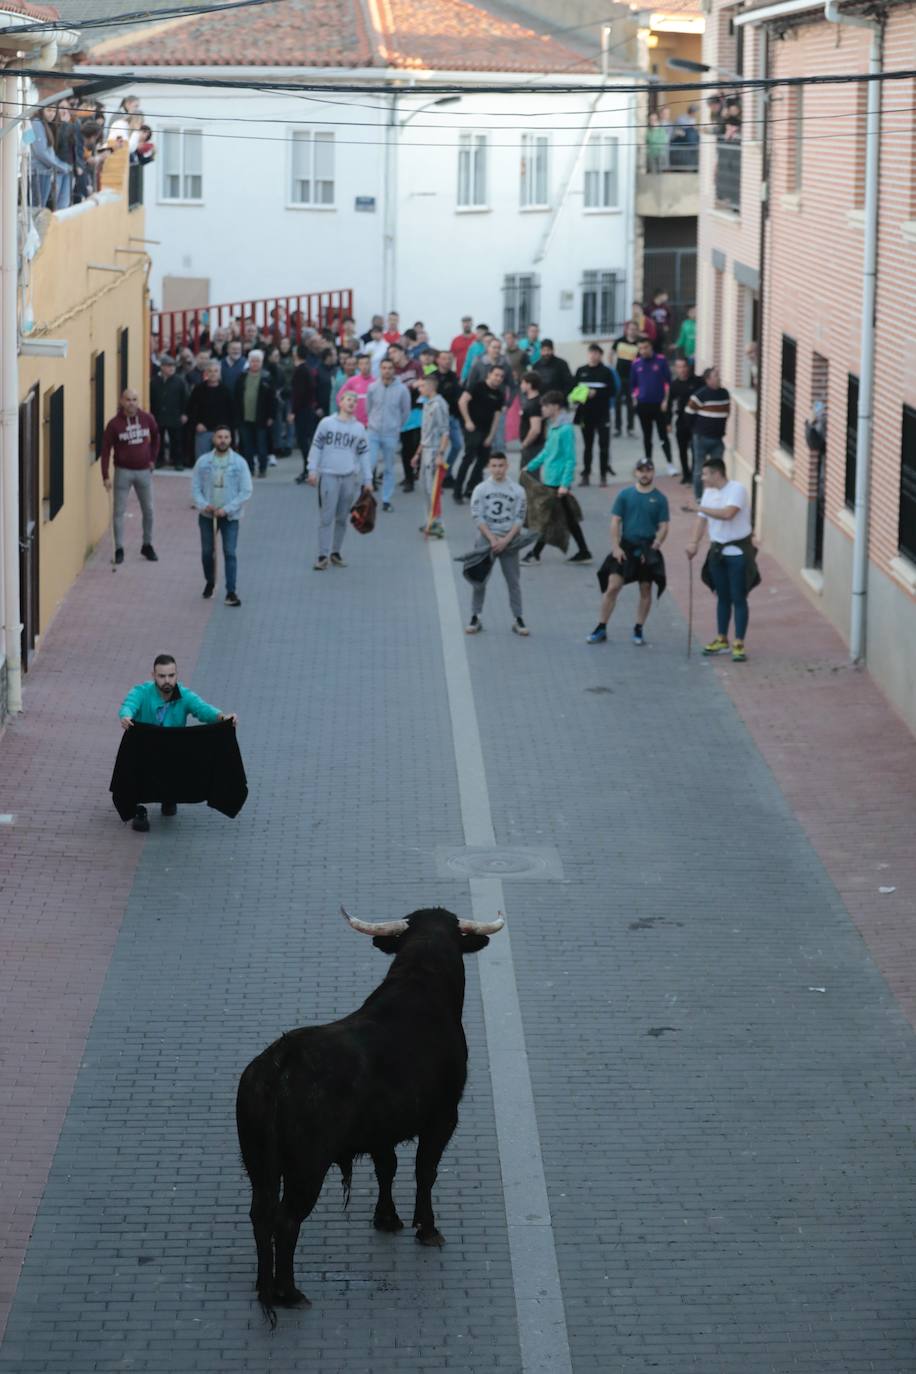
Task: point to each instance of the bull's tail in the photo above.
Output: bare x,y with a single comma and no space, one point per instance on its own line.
256,1120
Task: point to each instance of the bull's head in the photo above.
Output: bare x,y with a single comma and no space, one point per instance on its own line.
385,934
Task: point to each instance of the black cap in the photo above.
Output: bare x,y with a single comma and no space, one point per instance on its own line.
646,463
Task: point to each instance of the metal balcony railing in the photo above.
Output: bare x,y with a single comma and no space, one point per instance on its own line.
274,315
728,174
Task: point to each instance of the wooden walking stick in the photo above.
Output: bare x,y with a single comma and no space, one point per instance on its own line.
689,606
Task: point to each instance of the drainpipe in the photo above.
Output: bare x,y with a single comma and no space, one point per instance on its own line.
9,402
761,268
390,176
864,425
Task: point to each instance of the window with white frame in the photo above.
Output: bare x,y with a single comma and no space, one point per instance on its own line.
520,301
182,164
601,173
472,171
311,168
534,185
602,311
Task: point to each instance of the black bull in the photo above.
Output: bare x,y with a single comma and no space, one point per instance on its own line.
392,1071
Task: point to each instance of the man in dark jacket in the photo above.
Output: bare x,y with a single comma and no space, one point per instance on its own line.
553,371
168,396
683,385
254,412
210,404
303,405
594,415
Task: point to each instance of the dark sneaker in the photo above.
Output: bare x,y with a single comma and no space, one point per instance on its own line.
583,556
141,820
457,497
149,553
232,600
320,564
585,480
337,561
598,635
301,479
532,560
520,628
169,809
207,591
387,507
637,637
474,627
119,555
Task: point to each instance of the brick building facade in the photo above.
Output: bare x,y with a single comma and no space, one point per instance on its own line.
810,177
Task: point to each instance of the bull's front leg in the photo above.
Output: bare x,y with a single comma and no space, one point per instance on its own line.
430,1147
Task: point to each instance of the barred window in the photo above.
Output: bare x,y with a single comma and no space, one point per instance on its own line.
520,301
601,303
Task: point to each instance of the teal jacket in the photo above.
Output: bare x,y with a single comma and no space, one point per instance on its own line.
143,701
558,454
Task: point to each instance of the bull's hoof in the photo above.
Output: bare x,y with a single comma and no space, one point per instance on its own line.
387,1221
290,1297
432,1237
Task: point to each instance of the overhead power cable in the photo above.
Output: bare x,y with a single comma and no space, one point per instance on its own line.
135,17
465,88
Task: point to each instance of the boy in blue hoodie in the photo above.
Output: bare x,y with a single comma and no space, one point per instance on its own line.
558,459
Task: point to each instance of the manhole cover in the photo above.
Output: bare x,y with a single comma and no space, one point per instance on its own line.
528,863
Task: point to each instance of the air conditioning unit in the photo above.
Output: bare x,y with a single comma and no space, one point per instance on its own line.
567,300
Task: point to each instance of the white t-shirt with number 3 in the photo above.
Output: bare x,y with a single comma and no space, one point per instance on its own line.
739,527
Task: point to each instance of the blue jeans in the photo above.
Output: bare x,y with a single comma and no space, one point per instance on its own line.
254,440
704,446
729,577
385,445
229,530
63,190
456,440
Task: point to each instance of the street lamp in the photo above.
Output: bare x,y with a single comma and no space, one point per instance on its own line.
443,100
686,64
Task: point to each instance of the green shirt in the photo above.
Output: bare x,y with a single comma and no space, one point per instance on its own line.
641,513
687,339
252,386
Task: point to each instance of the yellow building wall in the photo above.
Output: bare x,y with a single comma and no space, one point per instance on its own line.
72,301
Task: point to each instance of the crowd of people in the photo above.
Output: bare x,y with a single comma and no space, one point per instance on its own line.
71,140
354,404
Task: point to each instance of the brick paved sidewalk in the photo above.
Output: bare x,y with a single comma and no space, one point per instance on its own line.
728,1150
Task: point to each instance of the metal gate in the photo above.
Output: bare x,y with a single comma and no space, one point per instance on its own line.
673,270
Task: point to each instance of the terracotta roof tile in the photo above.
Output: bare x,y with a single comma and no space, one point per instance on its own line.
30,11
447,35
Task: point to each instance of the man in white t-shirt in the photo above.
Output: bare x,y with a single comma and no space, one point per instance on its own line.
731,563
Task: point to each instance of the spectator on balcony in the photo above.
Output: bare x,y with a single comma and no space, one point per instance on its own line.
650,381
146,148
93,157
686,341
209,406
683,148
168,395
710,406
715,115
119,130
656,145
46,166
65,146
254,412
233,364
625,350
732,122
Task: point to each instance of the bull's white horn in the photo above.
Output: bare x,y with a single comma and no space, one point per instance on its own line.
482,927
374,927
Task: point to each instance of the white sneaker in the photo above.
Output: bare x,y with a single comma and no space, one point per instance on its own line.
672,470
272,461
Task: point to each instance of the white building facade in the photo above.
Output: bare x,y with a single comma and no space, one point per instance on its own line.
509,207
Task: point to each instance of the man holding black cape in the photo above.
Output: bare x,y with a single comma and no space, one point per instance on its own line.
215,765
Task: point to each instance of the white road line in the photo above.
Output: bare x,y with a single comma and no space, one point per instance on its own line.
543,1337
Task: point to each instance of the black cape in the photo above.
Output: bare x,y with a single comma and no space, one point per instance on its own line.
199,763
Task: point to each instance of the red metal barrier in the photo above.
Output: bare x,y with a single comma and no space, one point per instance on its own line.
276,316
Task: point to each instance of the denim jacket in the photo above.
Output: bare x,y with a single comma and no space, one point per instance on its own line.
236,490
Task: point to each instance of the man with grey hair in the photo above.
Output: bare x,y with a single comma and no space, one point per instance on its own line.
210,405
254,412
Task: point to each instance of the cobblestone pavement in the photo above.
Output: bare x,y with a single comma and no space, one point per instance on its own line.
716,999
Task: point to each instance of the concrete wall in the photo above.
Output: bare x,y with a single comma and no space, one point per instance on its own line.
250,243
87,308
